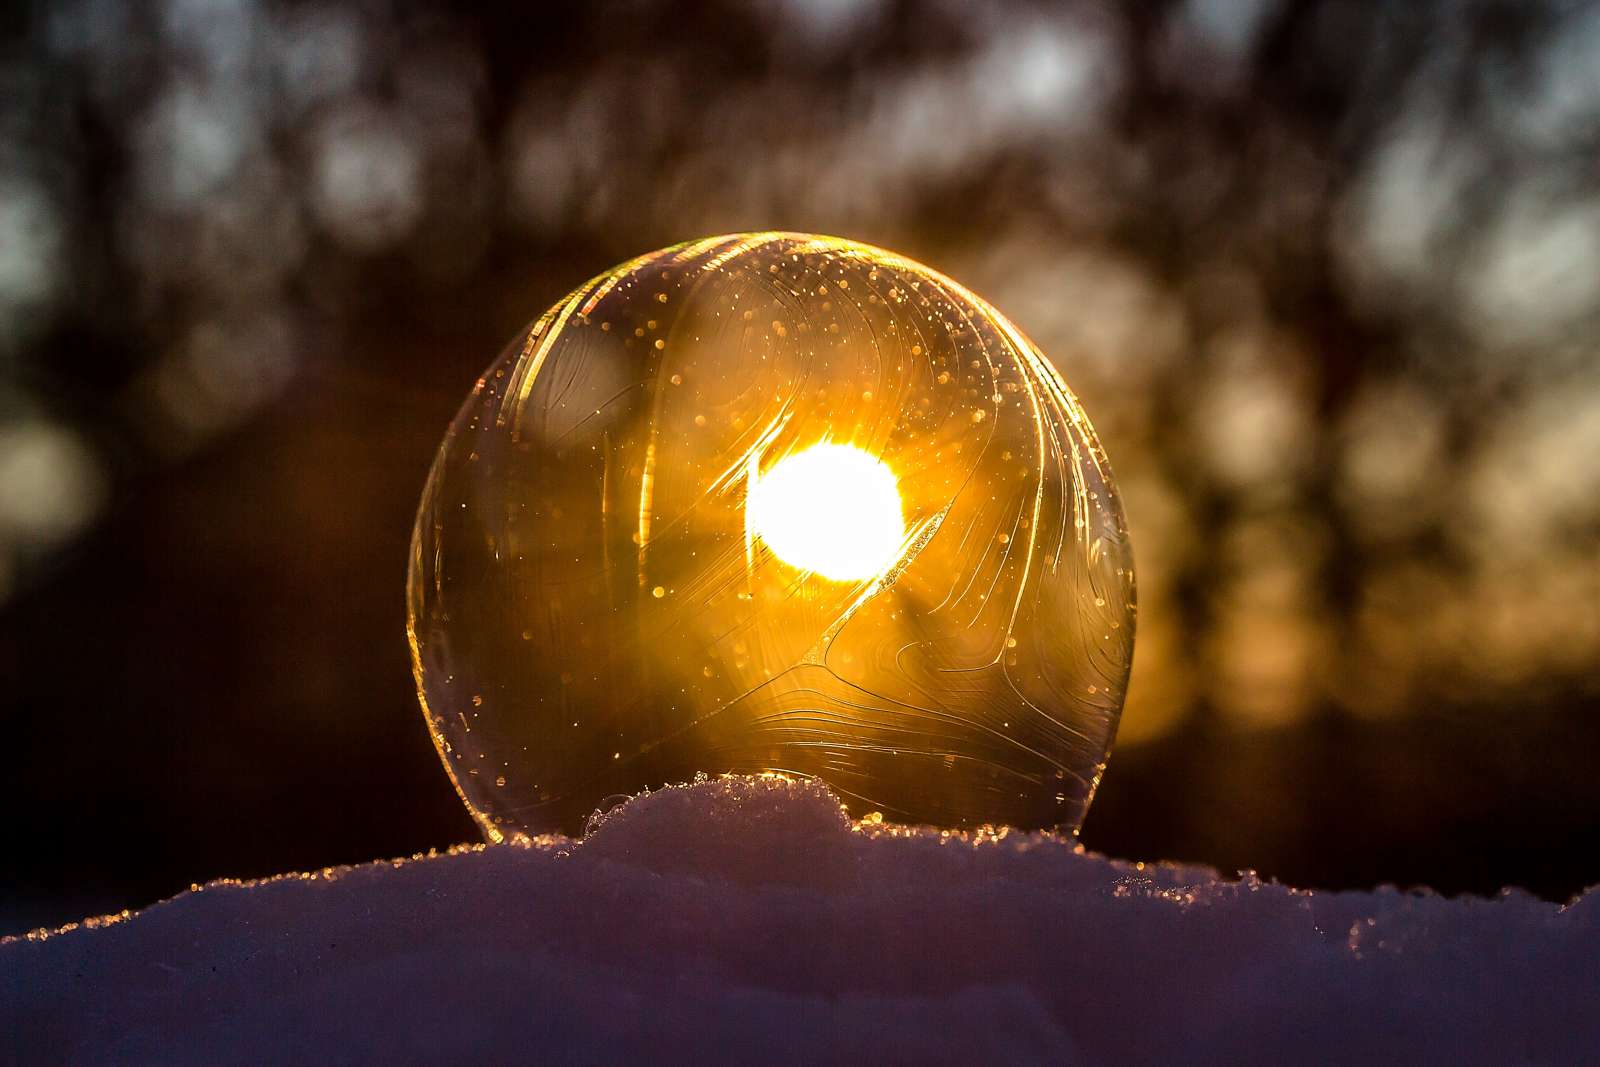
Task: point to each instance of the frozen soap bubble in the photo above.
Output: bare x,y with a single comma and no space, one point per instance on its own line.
772,503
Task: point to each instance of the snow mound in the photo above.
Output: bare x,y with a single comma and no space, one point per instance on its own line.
750,919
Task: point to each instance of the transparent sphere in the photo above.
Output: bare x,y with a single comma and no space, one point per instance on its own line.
772,503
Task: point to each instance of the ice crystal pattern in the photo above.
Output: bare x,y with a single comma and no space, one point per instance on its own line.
772,503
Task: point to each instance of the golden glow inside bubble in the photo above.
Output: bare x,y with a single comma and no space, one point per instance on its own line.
772,503
832,509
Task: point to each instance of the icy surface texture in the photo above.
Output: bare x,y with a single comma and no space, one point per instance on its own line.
773,502
750,920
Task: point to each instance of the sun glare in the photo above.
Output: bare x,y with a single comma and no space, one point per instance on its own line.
832,509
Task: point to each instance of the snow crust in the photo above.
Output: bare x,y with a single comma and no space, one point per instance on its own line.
750,919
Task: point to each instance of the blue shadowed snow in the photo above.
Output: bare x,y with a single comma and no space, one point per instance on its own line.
750,919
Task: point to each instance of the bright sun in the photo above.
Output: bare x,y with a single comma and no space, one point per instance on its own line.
832,509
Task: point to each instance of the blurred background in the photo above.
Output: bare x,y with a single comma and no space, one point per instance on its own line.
1326,275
